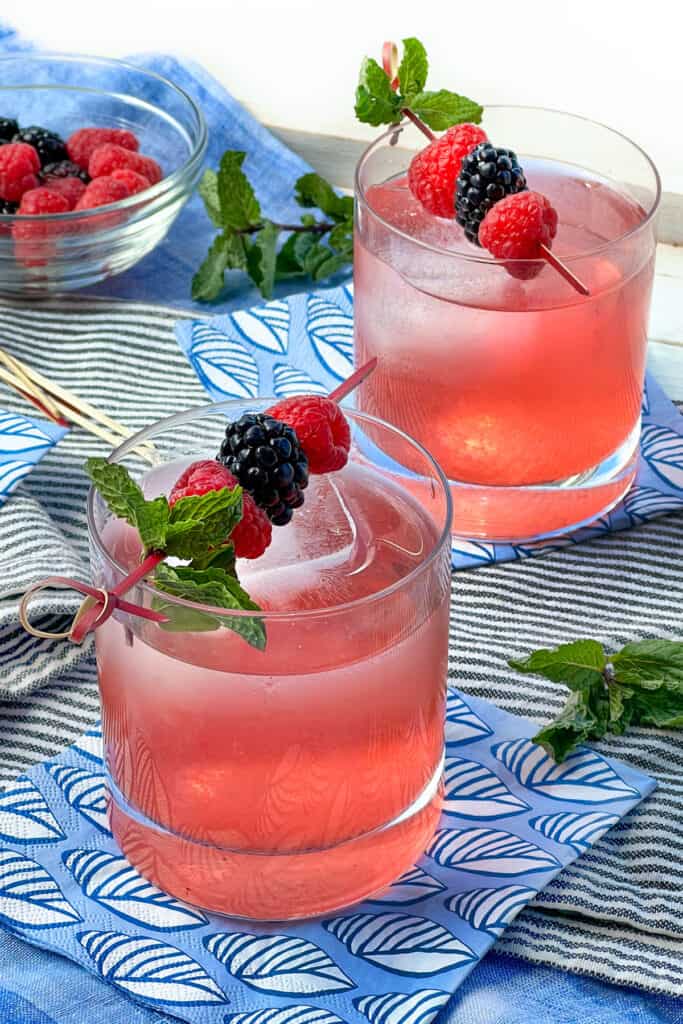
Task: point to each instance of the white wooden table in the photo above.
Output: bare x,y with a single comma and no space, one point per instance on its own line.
335,158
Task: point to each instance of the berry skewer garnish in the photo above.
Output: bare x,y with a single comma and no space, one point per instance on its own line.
218,510
462,173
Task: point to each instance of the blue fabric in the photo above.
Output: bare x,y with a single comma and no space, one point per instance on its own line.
39,987
501,991
512,819
305,343
23,442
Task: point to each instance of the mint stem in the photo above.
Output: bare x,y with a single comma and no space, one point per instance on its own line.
319,228
85,621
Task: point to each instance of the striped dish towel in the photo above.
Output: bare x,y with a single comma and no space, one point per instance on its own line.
616,912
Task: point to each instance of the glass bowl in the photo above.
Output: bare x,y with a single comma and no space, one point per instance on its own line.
61,252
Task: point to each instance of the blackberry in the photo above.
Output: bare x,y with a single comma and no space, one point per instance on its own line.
64,169
49,146
487,174
267,459
8,129
7,207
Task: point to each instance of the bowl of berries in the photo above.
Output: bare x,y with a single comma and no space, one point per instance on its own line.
97,157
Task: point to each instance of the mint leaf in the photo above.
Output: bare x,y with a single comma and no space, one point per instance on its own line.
312,190
122,495
575,724
303,243
261,258
286,263
222,557
201,522
442,109
239,207
208,190
341,239
662,708
332,264
152,523
650,664
412,72
376,101
207,283
579,664
213,587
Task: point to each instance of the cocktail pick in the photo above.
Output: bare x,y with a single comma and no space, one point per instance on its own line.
390,65
99,604
352,382
64,407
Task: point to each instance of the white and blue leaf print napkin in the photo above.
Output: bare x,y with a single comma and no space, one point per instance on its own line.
512,819
305,343
23,442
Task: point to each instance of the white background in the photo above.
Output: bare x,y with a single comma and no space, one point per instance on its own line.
295,63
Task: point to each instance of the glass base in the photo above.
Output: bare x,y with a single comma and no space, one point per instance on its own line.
538,512
260,886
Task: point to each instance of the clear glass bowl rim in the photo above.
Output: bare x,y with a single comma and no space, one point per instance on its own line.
161,426
475,257
166,184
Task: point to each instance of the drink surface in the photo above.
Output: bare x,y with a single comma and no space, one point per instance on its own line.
267,771
507,382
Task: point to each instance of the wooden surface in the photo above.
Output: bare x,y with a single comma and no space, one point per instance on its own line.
335,158
666,321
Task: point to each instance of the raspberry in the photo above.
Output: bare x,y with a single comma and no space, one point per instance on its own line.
516,226
82,144
19,165
149,169
487,175
34,244
63,169
133,181
110,157
48,145
100,192
253,533
267,459
322,429
71,188
433,171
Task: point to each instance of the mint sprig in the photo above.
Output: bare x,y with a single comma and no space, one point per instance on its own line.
251,243
193,530
642,684
378,103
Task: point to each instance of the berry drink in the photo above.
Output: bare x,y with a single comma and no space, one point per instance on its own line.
290,779
527,393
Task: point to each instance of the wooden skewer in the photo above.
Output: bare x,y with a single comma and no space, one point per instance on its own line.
356,378
63,407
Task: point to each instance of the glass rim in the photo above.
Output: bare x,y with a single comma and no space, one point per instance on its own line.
167,183
476,257
148,433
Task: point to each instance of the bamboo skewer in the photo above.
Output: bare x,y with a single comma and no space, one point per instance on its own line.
64,407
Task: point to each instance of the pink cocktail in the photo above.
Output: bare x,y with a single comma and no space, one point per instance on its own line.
286,782
527,393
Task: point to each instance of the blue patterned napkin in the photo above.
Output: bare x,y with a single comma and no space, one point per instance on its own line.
305,343
512,820
23,442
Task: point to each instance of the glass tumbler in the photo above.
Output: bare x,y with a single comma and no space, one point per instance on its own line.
527,393
287,782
